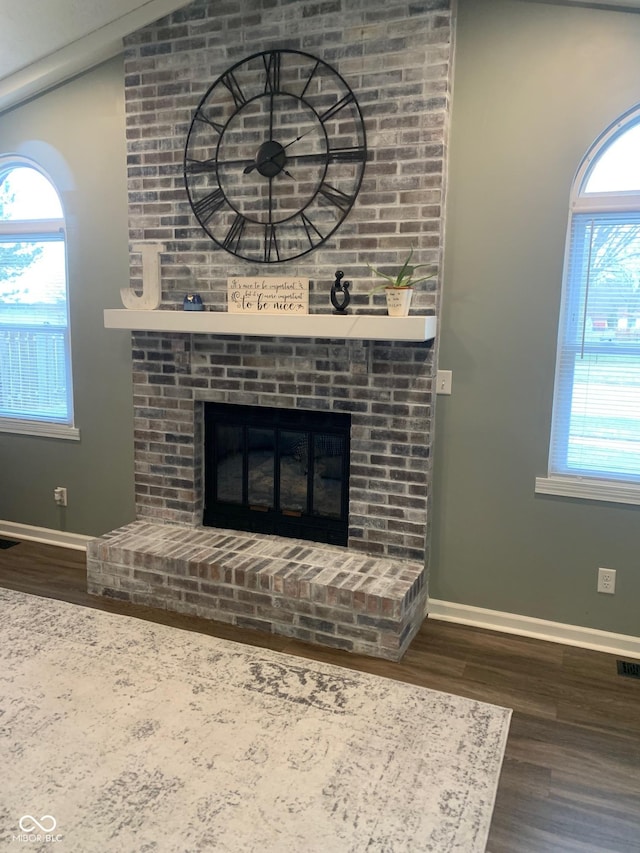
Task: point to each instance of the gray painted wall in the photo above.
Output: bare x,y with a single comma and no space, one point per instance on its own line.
534,85
76,133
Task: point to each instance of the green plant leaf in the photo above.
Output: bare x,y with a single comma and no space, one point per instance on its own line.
424,278
404,277
403,272
382,275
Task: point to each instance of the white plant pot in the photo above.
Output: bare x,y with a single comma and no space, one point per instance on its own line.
398,301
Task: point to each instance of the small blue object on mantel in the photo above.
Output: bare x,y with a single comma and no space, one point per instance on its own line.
192,302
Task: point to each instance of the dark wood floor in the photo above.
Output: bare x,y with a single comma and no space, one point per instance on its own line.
571,774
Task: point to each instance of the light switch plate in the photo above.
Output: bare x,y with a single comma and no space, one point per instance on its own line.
443,382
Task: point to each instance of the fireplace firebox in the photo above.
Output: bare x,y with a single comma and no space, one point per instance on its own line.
281,471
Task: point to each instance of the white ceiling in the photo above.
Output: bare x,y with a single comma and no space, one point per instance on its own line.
43,42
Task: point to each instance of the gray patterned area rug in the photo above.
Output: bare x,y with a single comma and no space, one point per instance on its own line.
122,735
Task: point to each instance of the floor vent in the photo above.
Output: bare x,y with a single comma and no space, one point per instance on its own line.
626,667
7,543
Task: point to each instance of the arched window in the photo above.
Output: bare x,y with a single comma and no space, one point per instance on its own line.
35,360
595,440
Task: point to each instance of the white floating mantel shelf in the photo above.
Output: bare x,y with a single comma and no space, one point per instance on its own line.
370,327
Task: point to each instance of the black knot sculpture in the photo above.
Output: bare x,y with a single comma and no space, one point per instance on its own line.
340,296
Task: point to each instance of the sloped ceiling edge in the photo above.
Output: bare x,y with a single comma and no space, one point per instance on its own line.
80,55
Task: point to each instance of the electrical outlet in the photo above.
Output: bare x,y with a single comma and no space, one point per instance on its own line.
60,495
607,580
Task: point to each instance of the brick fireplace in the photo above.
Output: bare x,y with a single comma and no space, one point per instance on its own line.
384,386
368,596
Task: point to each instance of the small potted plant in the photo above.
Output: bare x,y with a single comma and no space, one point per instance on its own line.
399,288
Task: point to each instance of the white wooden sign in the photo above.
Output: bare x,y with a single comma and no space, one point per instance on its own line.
263,295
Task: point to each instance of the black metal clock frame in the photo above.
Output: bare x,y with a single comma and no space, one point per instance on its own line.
284,199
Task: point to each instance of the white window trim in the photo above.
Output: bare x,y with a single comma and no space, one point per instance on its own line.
43,228
592,488
32,227
606,203
41,428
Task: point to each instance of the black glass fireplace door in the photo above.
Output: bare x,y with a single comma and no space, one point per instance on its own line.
277,471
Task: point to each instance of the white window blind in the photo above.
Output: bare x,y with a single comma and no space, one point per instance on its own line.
596,429
596,414
35,364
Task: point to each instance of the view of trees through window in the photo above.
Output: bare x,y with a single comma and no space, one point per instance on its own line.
15,258
34,340
613,278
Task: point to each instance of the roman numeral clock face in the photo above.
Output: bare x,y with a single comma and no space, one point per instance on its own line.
275,156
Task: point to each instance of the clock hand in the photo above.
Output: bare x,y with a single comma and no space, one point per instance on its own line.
261,161
248,169
298,138
258,163
271,116
253,166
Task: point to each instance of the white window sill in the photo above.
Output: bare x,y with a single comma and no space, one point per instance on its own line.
593,490
41,428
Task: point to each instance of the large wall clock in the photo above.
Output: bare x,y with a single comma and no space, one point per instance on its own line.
275,155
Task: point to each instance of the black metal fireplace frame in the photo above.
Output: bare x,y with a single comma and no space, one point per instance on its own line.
220,513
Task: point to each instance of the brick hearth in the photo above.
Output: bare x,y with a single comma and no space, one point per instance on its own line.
318,593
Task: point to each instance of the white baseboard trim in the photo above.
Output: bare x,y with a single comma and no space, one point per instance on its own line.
13,530
540,629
